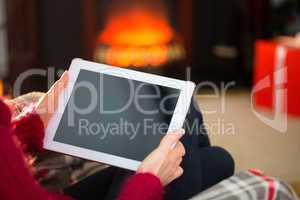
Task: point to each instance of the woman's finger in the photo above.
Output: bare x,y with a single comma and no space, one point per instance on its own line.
48,103
56,90
179,149
179,171
179,161
64,79
169,170
61,83
171,138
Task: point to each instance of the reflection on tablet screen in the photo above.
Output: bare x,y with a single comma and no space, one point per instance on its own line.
115,115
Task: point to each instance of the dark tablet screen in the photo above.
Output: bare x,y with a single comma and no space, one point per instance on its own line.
115,115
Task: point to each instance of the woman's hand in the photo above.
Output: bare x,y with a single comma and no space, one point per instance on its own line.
49,102
164,161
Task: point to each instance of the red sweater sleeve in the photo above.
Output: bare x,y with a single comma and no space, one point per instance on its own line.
16,181
29,129
143,186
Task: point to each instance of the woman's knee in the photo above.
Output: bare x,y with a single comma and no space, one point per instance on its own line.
224,158
217,165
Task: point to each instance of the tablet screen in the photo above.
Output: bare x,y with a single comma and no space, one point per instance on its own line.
115,115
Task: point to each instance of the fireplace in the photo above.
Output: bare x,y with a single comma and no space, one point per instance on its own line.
139,34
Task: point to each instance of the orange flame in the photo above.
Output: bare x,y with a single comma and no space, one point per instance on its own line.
138,37
136,27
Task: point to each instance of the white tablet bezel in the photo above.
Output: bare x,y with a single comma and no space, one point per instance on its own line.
186,91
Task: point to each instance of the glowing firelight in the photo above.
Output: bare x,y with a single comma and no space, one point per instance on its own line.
137,38
136,27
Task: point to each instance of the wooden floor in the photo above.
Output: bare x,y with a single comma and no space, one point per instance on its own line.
252,143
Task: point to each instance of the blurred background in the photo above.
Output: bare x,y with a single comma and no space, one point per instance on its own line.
223,42
216,39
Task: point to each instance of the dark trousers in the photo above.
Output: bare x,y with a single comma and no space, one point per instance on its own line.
203,164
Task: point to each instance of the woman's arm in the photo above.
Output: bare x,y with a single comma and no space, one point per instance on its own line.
29,126
29,129
160,168
142,186
16,180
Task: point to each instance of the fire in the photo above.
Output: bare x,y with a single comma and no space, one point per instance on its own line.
137,27
137,37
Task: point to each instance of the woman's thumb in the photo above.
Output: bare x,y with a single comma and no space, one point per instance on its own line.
171,138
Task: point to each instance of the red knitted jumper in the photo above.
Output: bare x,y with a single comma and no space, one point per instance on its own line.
25,134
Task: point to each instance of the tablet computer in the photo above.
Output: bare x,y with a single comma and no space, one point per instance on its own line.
115,115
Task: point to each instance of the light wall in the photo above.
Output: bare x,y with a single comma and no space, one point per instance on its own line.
252,143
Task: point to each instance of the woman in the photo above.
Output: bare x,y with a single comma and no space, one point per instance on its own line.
160,168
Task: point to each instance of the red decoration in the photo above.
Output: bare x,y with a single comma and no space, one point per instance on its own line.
279,64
